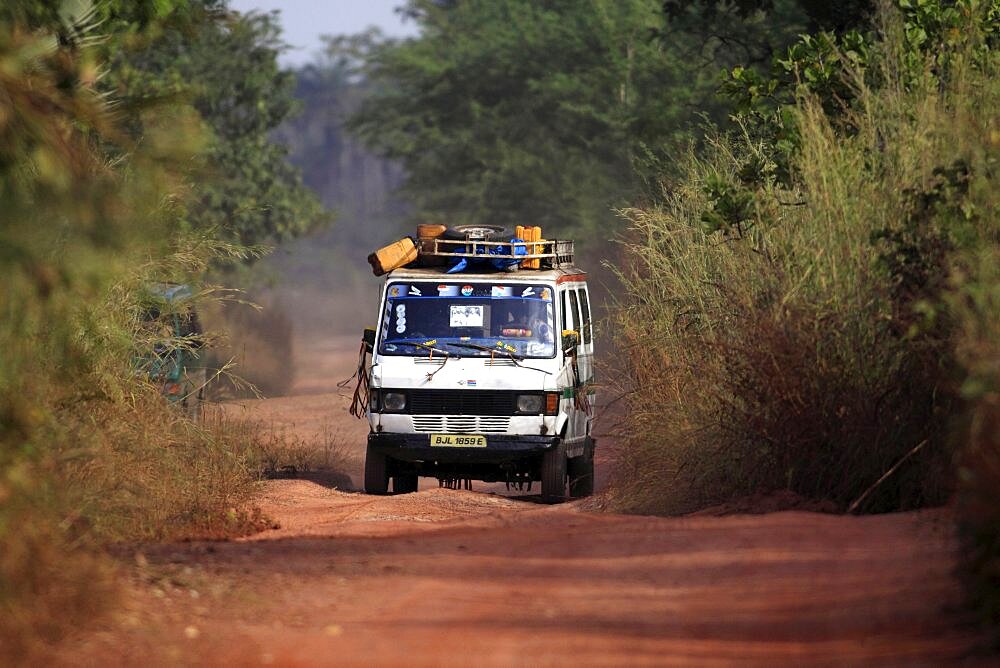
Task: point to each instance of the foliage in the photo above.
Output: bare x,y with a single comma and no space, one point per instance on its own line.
790,297
514,111
977,306
225,65
834,17
94,188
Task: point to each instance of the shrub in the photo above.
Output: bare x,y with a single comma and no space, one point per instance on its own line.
976,302
786,322
89,451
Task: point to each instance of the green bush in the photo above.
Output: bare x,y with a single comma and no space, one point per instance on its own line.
89,450
787,322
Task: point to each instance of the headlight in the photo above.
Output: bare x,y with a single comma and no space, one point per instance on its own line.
529,403
393,401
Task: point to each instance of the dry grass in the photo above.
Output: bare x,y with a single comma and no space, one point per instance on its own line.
280,451
978,307
787,356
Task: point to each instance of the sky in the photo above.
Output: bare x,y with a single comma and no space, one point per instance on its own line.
303,21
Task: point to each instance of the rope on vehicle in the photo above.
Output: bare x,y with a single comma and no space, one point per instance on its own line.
359,403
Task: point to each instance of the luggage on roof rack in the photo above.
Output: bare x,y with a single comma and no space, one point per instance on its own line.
551,253
473,245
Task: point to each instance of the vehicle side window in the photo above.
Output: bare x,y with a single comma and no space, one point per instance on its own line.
564,311
586,334
574,304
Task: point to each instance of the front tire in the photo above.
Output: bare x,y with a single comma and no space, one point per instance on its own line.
405,483
554,473
581,476
376,472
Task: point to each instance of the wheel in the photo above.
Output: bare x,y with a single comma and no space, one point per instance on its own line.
554,473
404,483
474,232
581,475
376,472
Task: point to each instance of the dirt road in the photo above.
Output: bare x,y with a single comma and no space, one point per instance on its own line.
445,576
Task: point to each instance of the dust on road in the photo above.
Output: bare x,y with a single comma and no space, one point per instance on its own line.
445,576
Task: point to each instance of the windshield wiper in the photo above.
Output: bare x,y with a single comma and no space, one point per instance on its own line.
516,359
476,346
447,355
425,347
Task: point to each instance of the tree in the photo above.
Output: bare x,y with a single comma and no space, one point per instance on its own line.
346,176
821,15
542,113
513,112
225,65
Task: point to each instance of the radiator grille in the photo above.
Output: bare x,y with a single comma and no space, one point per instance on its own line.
460,424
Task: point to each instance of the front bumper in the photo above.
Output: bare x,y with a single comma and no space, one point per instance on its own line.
499,448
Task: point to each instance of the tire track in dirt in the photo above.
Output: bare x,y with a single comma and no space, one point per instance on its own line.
443,576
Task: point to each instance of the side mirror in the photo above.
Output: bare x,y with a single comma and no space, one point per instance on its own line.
570,340
369,338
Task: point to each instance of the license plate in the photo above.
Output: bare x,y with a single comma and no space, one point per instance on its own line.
458,441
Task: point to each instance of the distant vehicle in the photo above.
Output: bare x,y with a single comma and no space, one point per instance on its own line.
174,361
486,374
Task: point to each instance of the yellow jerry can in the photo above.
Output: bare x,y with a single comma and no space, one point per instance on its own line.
393,256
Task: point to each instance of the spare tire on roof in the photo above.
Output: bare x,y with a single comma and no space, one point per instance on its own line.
476,233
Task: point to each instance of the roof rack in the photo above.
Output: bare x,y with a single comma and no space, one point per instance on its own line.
551,253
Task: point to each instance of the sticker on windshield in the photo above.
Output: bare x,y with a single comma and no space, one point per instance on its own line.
466,316
415,291
502,291
528,291
400,318
466,290
448,290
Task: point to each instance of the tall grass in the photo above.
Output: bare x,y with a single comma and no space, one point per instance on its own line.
89,451
810,347
976,303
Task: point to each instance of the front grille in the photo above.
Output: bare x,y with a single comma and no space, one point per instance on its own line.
500,361
461,402
460,424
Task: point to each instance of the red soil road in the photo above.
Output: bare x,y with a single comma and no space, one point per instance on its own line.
443,576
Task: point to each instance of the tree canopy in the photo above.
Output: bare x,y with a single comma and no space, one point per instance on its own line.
514,111
225,66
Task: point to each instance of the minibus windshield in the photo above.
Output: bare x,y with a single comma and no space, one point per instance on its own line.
514,319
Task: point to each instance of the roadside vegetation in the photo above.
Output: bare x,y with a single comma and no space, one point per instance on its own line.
812,303
116,173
